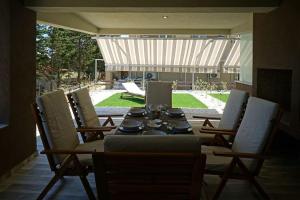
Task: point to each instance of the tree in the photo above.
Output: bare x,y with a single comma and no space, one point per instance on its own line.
62,51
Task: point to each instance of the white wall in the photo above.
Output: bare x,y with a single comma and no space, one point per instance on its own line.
246,44
246,57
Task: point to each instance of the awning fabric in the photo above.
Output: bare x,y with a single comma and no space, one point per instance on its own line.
171,55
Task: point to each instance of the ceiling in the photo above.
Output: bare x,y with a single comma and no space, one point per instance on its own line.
146,17
173,20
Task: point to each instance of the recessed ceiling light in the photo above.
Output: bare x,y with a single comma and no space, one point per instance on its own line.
165,17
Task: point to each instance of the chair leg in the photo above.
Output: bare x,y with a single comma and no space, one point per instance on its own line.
220,187
87,188
252,179
224,179
48,187
207,123
111,121
108,120
259,188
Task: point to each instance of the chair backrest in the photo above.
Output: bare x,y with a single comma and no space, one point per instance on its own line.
84,108
57,127
159,93
255,129
131,87
157,171
234,109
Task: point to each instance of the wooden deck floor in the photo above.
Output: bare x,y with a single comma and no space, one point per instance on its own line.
280,176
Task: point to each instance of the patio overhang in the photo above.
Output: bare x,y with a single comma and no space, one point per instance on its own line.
145,17
181,55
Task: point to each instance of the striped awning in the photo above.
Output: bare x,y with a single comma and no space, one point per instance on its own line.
170,55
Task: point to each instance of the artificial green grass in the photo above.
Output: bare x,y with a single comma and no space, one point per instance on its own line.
186,101
221,97
127,101
179,100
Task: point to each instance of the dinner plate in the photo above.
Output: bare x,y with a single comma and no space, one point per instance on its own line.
136,112
175,112
130,125
181,127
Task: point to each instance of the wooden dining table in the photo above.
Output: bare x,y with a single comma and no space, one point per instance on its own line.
166,123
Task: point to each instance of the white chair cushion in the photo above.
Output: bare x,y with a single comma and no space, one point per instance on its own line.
255,128
215,163
152,143
86,159
159,93
205,138
132,88
86,110
57,122
233,109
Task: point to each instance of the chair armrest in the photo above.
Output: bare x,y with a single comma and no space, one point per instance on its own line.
66,151
206,117
239,155
111,115
95,129
233,133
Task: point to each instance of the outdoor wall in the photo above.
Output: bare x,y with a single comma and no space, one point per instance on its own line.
17,65
165,76
276,45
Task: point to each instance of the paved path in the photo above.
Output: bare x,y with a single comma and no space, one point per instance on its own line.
100,95
209,101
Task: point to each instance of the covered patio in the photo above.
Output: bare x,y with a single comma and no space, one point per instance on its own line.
258,39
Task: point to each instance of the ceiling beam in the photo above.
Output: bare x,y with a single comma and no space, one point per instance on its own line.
68,21
152,5
110,31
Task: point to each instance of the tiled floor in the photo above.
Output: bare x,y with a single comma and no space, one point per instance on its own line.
280,175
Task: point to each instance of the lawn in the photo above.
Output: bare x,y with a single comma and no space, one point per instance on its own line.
179,100
222,97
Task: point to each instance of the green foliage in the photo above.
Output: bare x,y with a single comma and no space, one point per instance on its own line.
61,51
201,85
175,85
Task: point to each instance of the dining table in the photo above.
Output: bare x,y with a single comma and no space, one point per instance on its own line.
155,122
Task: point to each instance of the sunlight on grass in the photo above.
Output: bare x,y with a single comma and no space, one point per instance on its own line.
186,101
222,97
179,100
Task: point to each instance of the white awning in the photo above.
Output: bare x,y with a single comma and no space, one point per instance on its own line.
170,55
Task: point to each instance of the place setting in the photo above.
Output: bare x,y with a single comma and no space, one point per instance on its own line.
131,126
137,112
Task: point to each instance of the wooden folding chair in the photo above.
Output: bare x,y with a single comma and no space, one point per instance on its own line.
229,122
159,93
245,159
66,156
149,167
86,116
160,176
